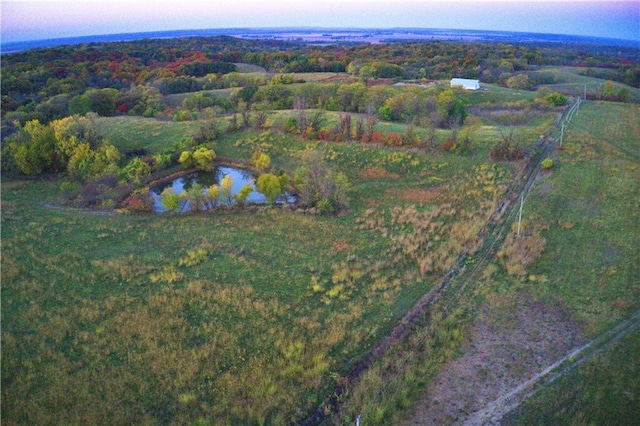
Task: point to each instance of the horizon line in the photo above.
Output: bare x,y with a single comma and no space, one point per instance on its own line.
79,38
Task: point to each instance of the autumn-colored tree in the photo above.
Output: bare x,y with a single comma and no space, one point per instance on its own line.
261,161
226,186
186,159
171,201
451,108
75,129
213,196
269,185
203,158
34,149
318,184
518,82
81,162
345,127
136,169
196,197
244,193
247,93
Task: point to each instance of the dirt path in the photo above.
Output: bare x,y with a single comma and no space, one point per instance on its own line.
513,338
495,410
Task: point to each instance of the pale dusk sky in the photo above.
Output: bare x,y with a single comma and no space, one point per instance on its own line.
45,19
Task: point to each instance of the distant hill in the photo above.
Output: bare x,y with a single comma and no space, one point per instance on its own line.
329,36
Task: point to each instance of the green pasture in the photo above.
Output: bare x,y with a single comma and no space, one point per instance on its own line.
254,317
589,202
572,81
147,133
585,209
244,317
250,69
176,100
492,93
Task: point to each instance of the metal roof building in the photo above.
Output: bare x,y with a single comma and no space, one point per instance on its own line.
466,83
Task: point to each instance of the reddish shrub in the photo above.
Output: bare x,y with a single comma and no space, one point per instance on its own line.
448,145
139,201
506,152
394,139
323,136
377,138
135,204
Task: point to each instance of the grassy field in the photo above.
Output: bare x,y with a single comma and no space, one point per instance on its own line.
241,317
147,133
602,391
576,270
176,100
590,203
255,317
572,81
592,263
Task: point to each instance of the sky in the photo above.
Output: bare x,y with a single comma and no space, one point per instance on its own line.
45,19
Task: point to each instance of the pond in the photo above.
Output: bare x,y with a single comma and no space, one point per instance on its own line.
240,178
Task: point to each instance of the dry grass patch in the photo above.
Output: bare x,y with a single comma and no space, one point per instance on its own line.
417,195
339,246
375,172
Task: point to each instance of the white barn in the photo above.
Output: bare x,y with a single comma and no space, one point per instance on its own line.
466,83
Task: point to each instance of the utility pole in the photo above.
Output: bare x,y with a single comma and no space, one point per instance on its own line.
520,215
561,133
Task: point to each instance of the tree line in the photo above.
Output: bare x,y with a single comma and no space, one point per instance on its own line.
49,84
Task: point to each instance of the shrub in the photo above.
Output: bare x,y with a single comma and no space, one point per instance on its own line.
315,181
168,274
244,193
504,151
203,158
269,185
448,145
261,161
507,150
186,159
377,138
171,200
194,257
140,201
394,139
547,163
136,169
556,99
196,197
162,161
518,253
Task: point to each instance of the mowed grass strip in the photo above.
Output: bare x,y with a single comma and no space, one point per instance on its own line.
590,202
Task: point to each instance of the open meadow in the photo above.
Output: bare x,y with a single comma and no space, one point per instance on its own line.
239,316
570,278
419,299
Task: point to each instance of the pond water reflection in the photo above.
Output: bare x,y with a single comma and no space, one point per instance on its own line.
240,178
